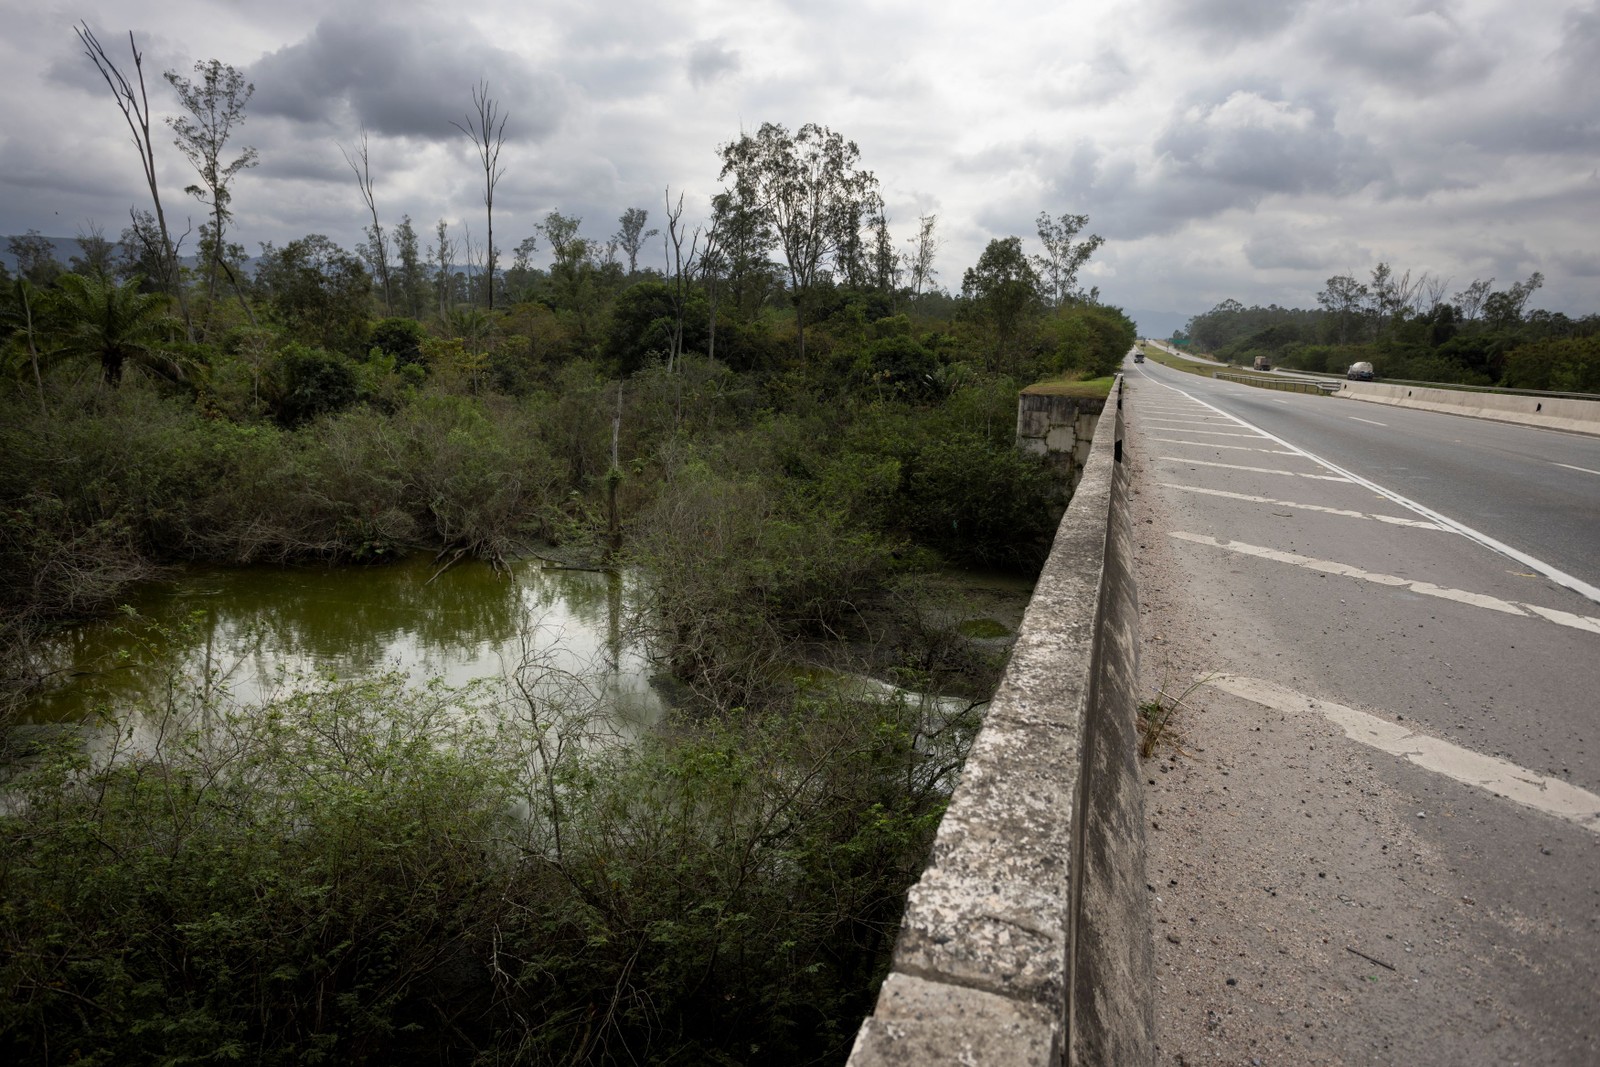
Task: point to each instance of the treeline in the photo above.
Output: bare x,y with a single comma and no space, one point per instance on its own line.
1407,328
303,423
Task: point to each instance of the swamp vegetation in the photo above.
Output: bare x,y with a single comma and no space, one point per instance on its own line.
359,865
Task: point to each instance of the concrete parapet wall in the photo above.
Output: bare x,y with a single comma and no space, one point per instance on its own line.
1027,940
1555,413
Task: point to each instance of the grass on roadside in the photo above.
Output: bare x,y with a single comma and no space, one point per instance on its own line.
1156,715
1094,387
1160,355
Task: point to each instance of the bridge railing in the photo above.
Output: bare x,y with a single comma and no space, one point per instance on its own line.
1027,939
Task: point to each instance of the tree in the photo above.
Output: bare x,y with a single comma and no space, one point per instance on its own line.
114,323
924,247
520,275
135,108
36,257
632,235
1058,267
1470,300
1503,310
713,270
141,250
1342,298
443,252
412,281
487,131
377,247
1003,288
884,264
743,237
571,255
96,255
810,191
682,271
22,318
215,105
318,291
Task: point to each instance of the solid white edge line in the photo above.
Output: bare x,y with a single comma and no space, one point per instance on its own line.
1555,574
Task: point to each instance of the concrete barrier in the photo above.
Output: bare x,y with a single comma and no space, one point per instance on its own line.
1027,939
1555,413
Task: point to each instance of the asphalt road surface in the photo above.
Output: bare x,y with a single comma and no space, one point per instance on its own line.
1394,616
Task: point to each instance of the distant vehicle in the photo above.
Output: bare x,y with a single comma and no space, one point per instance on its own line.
1138,357
1263,363
1360,372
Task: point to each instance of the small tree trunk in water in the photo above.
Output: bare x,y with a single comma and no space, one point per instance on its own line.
613,479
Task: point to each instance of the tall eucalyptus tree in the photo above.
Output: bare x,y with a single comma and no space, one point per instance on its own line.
809,188
215,104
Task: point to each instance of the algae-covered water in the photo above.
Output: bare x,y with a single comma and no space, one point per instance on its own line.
250,634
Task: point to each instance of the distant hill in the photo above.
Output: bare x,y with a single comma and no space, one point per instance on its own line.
68,247
65,249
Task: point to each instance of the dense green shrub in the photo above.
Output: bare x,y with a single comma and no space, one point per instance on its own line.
399,339
366,873
1569,364
738,571
308,382
980,503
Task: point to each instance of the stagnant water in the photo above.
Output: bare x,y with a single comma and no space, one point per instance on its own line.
248,634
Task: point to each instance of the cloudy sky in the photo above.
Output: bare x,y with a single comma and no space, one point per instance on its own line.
1224,148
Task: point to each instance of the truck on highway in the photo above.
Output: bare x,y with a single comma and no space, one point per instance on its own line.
1262,363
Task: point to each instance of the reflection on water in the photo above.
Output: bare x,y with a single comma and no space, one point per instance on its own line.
254,633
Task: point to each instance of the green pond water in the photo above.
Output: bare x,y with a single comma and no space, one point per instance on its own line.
253,633
214,636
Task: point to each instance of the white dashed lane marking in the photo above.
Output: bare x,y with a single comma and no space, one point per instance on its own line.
1393,520
1210,433
1460,596
1253,470
1570,467
1218,444
1500,777
1369,422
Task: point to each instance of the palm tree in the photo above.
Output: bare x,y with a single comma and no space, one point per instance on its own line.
115,323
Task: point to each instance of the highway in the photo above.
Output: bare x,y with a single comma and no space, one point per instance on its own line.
1396,618
1533,489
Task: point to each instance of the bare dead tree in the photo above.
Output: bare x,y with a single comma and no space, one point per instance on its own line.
380,249
134,103
486,129
682,270
1434,287
924,247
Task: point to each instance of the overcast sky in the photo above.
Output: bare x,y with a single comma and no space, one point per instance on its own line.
1223,148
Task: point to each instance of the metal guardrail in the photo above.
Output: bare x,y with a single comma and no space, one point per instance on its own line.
1287,385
